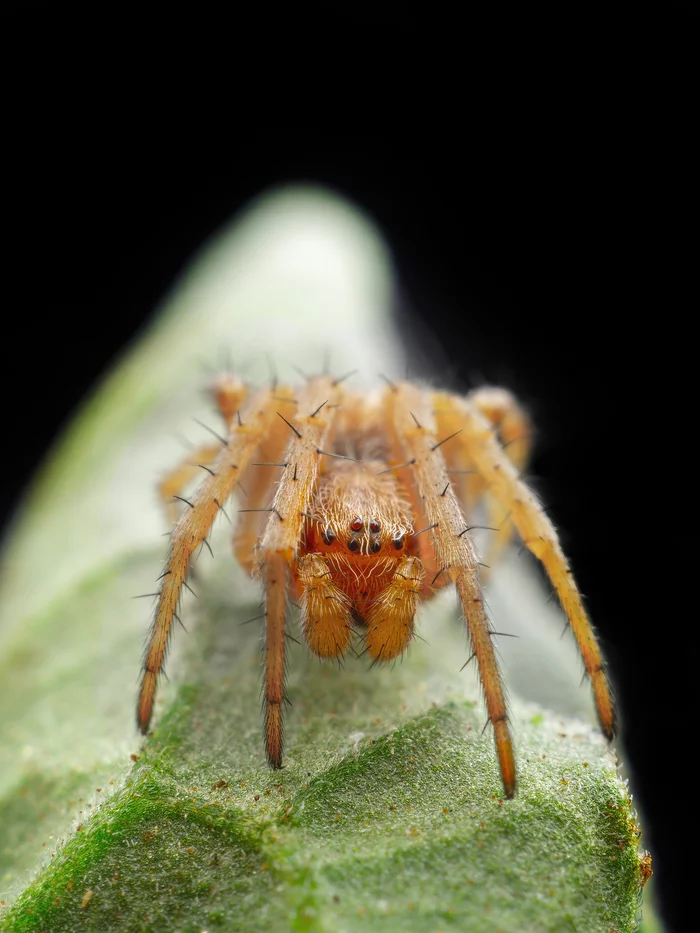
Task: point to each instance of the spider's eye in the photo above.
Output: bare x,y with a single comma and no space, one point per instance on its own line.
328,535
398,543
353,544
374,526
356,524
375,546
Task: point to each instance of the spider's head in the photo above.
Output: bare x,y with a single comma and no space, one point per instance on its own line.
361,514
360,536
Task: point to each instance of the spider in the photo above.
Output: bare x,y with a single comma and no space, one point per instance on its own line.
355,506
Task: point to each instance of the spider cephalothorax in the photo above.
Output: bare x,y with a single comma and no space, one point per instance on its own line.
358,505
356,564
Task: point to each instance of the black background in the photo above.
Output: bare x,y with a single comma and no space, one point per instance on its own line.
560,263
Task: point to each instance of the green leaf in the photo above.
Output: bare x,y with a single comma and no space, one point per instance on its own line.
389,813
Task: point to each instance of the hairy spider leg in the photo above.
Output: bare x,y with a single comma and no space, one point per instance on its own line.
415,424
402,467
281,539
478,444
174,482
276,583
258,479
229,393
192,530
514,430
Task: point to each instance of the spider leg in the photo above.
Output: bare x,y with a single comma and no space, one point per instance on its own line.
433,576
514,430
537,532
280,542
275,610
258,480
414,424
229,393
511,421
390,621
189,533
326,617
176,479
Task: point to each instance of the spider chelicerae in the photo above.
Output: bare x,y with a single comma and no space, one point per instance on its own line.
358,506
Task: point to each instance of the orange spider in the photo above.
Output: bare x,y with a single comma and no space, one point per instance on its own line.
367,518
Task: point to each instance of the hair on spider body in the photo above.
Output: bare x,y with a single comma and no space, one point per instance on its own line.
337,533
